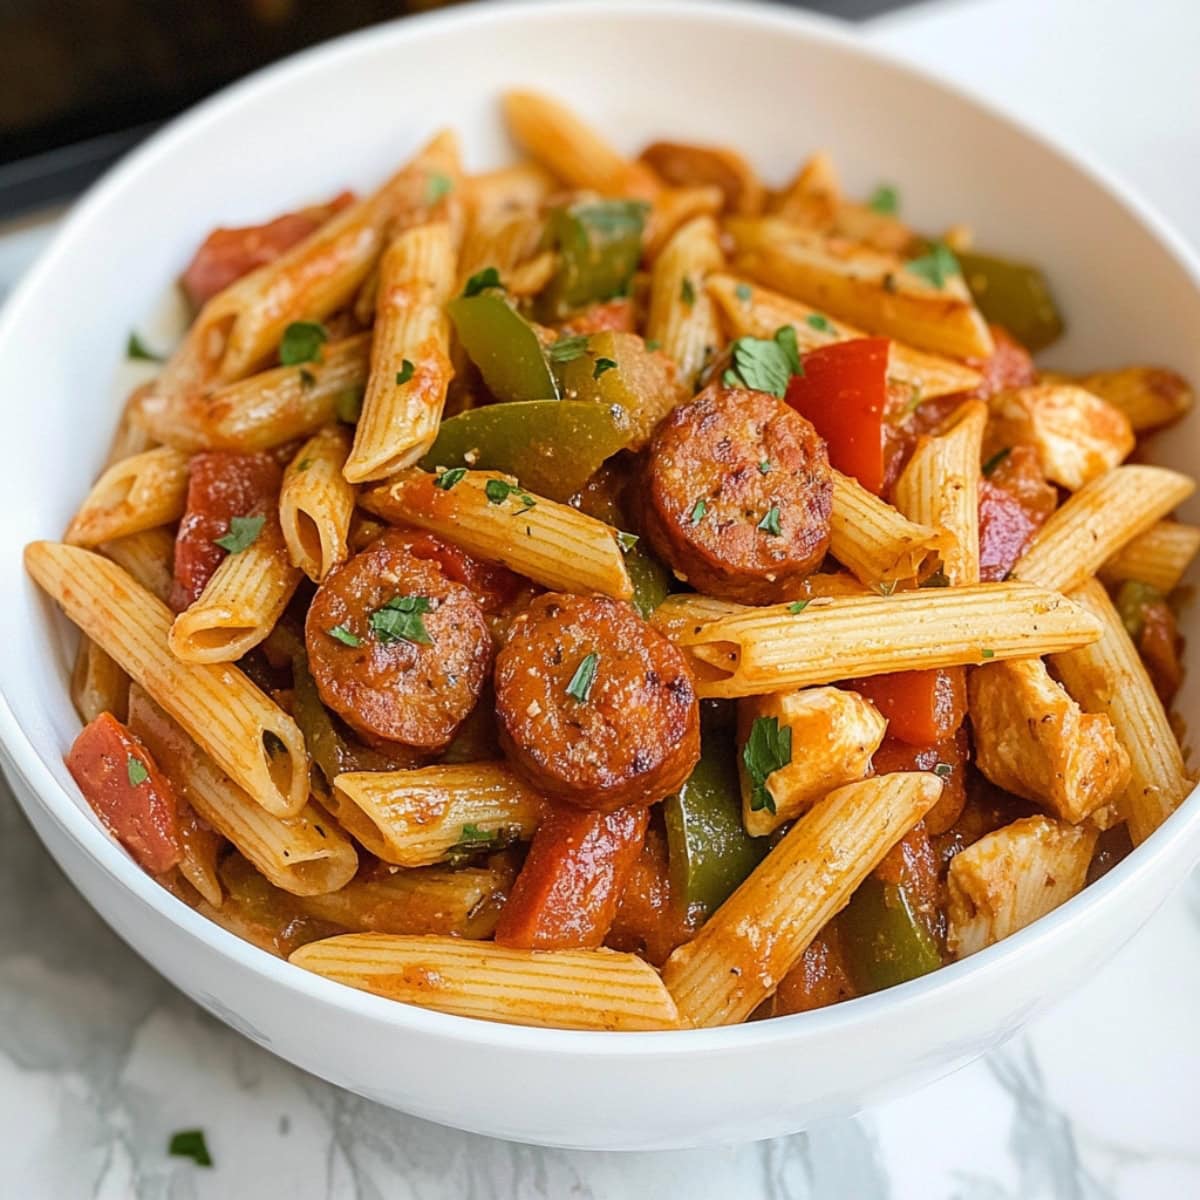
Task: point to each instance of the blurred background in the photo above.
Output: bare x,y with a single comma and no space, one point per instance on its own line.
84,80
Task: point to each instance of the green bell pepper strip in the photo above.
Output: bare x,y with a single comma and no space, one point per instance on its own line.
551,446
651,580
709,850
504,346
1014,295
885,939
1133,596
599,244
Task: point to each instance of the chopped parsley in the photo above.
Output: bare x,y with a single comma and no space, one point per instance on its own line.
767,749
765,364
499,490
820,323
580,687
743,292
447,479
439,185
627,541
136,348
243,532
405,373
302,342
943,770
985,653
348,406
602,365
995,460
770,522
340,633
687,292
400,620
307,378
764,467
653,344
489,277
568,349
136,770
935,267
884,200
190,1143
472,833
304,464
797,606
699,511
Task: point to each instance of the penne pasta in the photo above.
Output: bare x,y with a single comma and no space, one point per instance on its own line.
305,854
136,493
502,240
875,541
939,488
1012,876
751,942
316,504
420,817
749,310
148,556
97,683
880,292
1097,521
674,207
1108,677
681,164
1150,397
681,317
410,355
769,649
488,515
563,989
524,185
252,739
130,438
1159,557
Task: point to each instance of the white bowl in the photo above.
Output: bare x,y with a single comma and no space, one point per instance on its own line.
775,84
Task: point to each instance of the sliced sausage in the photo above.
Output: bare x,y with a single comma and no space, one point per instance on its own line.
397,649
593,705
738,494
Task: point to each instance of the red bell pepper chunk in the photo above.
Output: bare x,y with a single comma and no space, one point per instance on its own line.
566,896
947,759
221,485
922,707
128,792
1005,530
844,393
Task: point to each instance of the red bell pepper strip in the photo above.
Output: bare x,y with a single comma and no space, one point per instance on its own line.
844,393
128,792
566,895
921,707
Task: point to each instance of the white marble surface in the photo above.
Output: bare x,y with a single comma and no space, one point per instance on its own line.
100,1059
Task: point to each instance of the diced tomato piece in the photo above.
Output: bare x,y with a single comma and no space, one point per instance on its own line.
615,316
221,485
1005,530
228,254
948,759
127,791
922,707
1010,365
844,393
567,892
493,586
649,921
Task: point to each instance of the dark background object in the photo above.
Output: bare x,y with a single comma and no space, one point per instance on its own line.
84,80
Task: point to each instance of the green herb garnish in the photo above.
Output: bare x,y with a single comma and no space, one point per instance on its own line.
400,620
499,490
405,373
764,467
302,342
136,770
348,406
797,606
190,1143
602,365
995,460
687,292
472,833
987,653
340,633
243,532
767,749
304,464
884,200
698,513
943,770
743,292
447,479
935,267
439,185
568,349
821,324
627,541
489,277
770,522
765,364
136,348
580,687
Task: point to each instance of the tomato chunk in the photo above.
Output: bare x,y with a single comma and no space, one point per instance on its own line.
948,759
922,707
1006,528
608,316
228,254
221,485
844,393
128,792
493,586
1009,366
567,892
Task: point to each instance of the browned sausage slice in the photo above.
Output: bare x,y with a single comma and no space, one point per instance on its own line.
738,494
397,649
594,706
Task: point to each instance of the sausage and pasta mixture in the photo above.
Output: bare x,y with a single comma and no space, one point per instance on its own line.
616,593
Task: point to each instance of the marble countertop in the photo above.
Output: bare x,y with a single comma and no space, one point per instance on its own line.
101,1060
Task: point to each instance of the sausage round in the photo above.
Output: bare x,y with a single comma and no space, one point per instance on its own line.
382,682
738,494
593,705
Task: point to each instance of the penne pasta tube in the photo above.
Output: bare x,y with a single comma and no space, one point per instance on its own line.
137,493
316,504
489,516
1159,557
524,185
267,409
500,240
749,310
130,438
811,199
1012,876
1150,397
769,649
148,556
875,541
417,818
940,488
878,291
410,355
673,208
681,317
249,736
1097,521
1108,677
751,942
240,603
305,854
560,989
97,683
